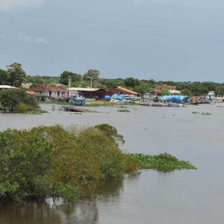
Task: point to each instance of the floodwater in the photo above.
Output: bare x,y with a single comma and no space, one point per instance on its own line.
179,197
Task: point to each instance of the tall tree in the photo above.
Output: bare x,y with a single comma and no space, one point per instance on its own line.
3,77
16,74
131,82
64,77
91,74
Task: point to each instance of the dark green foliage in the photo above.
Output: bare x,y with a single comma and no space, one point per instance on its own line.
3,77
131,82
186,92
64,77
17,100
163,162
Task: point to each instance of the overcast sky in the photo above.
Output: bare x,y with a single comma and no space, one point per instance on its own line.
177,40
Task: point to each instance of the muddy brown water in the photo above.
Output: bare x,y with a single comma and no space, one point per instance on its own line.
186,196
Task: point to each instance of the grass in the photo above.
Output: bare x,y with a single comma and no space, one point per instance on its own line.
123,110
195,112
163,162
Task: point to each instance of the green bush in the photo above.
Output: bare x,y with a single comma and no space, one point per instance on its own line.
17,100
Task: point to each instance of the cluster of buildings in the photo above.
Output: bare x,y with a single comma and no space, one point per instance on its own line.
60,92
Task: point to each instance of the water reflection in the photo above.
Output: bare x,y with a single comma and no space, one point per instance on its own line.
60,212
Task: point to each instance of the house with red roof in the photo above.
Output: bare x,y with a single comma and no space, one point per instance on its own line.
50,92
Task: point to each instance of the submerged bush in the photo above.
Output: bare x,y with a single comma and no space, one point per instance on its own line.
50,161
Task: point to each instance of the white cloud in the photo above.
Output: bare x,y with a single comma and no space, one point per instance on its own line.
7,5
41,40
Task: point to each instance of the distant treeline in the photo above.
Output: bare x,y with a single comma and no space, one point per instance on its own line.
15,75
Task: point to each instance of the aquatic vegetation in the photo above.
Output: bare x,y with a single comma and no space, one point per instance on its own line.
201,113
37,112
162,162
206,113
123,110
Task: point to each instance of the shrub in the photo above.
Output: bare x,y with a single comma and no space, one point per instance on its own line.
17,100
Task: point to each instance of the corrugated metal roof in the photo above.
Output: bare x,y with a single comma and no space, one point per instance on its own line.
83,89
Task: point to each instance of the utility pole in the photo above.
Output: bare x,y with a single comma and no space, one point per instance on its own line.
91,82
69,81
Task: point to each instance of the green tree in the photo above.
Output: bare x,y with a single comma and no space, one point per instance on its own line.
143,88
91,74
131,82
3,77
64,77
164,92
16,74
186,92
37,81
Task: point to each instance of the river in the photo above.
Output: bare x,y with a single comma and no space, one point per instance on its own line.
179,197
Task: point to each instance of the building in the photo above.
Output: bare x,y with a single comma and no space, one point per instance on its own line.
99,93
172,89
50,92
95,93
